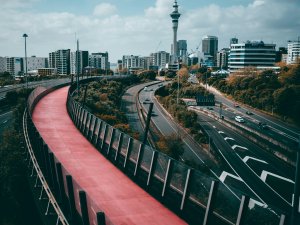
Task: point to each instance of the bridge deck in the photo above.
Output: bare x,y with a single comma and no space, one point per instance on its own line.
122,201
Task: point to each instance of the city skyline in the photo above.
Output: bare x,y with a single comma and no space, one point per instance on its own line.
137,27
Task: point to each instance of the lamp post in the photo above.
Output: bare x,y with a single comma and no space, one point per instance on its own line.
25,36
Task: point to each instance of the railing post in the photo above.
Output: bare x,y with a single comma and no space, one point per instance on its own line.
282,220
104,137
242,210
167,177
53,172
138,160
84,209
61,182
211,199
71,196
152,166
98,134
94,128
129,148
186,187
119,146
100,218
111,142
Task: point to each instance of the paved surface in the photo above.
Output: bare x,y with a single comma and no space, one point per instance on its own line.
121,199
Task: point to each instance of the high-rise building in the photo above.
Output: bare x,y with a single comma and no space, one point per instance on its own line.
145,62
160,59
83,61
13,65
99,60
34,63
182,50
222,58
3,62
131,61
233,41
251,54
60,60
210,46
175,18
293,52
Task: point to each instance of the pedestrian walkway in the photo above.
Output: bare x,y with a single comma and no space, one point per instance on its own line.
112,192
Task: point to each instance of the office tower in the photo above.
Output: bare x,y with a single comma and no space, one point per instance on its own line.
99,60
60,60
210,46
222,58
83,61
160,59
293,52
251,54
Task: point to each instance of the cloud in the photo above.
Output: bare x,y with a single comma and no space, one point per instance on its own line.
104,9
274,20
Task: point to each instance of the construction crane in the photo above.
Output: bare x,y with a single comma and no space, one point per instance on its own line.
158,46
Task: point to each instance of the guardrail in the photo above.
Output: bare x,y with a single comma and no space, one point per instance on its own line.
59,194
194,196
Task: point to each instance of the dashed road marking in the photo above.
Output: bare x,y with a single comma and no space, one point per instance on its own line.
264,175
238,146
225,174
228,138
221,132
246,158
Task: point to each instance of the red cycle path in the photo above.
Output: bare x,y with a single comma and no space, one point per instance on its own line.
122,201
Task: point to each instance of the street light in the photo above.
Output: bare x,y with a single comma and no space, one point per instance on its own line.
25,36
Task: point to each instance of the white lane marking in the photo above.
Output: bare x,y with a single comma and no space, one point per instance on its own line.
6,113
221,132
228,138
225,174
238,146
259,160
244,181
264,175
254,202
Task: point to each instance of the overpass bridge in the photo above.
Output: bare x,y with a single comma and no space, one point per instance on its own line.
128,183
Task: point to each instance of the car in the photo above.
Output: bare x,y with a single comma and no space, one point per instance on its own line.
210,108
160,85
249,113
236,106
239,119
263,126
145,89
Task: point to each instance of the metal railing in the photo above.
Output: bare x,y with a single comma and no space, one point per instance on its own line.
65,199
191,194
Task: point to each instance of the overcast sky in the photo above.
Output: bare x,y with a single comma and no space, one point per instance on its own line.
137,27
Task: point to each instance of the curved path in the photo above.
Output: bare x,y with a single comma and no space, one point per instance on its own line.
122,201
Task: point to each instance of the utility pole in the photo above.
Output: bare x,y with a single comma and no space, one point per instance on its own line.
25,36
148,122
77,67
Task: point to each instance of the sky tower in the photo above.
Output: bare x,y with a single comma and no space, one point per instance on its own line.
175,17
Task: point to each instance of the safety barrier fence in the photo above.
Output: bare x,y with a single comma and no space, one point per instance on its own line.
196,197
61,197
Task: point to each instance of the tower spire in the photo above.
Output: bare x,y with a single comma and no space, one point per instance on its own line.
175,18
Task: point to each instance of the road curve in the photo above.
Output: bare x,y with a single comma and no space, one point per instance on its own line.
122,201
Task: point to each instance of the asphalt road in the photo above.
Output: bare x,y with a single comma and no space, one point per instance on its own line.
278,130
192,151
6,119
251,163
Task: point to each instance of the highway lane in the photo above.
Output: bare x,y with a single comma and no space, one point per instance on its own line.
278,192
192,150
279,129
6,120
130,107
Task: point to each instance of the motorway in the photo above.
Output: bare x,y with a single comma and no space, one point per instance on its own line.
269,178
277,129
253,171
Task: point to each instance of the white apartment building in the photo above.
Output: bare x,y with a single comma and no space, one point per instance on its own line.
83,61
99,60
34,63
131,61
160,59
293,52
13,65
222,58
251,54
60,60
